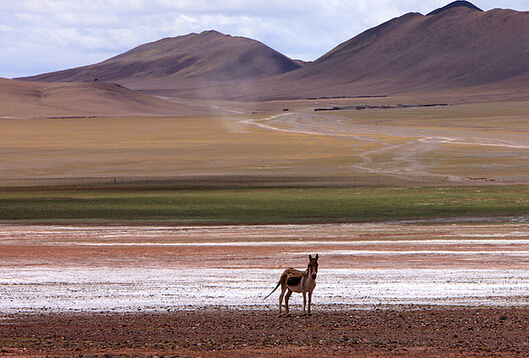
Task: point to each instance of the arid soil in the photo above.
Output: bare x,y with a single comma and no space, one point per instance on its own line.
385,289
480,143
407,331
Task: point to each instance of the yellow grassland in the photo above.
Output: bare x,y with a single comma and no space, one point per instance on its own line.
487,142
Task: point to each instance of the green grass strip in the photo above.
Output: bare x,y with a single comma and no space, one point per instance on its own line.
283,205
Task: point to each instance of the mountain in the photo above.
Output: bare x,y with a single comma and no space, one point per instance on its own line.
208,57
23,99
453,5
454,47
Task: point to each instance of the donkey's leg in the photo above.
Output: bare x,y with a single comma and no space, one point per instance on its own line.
287,297
304,302
310,300
283,289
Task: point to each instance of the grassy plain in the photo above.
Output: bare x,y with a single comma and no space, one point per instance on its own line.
477,143
257,205
101,150
263,164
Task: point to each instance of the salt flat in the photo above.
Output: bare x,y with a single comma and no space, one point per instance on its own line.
130,268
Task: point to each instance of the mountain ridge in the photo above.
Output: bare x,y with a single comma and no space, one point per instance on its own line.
459,47
208,56
455,46
459,3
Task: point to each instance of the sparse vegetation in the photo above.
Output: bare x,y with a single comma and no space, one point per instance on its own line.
421,146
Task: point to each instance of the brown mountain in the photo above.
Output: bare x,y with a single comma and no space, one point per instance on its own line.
457,46
191,60
453,47
458,3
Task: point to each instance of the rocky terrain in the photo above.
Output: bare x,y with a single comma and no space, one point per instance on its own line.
405,331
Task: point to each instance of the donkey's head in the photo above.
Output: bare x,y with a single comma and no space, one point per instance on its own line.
313,266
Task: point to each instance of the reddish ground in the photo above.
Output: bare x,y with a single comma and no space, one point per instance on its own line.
216,332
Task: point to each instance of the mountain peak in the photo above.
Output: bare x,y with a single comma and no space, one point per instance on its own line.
212,33
207,57
453,5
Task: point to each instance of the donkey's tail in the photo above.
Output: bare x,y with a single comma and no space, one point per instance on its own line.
274,290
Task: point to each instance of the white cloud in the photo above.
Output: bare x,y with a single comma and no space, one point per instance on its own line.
39,36
6,28
79,18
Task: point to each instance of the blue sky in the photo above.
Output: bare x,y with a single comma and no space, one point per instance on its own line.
38,36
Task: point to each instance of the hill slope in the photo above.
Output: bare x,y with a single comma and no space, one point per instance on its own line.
22,99
208,57
453,47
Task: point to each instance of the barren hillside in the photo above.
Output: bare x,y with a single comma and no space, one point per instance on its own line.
453,47
458,46
33,99
190,61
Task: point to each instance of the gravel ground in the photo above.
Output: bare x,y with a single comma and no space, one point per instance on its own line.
411,331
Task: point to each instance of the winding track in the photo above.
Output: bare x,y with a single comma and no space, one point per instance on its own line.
403,144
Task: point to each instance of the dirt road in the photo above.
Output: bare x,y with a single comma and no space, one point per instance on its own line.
419,142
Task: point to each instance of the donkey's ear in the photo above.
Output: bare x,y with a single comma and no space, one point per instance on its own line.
316,257
310,257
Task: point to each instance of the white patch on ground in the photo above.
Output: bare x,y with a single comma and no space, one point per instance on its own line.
353,271
129,289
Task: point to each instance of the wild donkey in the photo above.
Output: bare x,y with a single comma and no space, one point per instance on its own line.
298,281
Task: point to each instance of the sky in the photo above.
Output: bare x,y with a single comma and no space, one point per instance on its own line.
39,36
